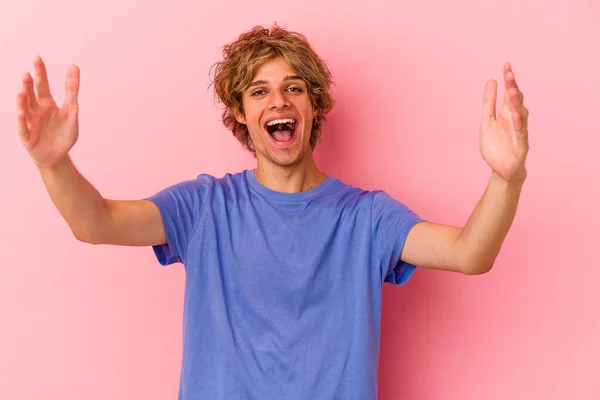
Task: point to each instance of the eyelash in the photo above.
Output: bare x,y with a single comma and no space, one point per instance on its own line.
260,90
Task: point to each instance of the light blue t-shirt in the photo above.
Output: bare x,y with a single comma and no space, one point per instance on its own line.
283,290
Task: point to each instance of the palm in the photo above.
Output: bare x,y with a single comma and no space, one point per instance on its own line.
503,140
53,133
47,131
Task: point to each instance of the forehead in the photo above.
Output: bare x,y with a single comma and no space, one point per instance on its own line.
274,70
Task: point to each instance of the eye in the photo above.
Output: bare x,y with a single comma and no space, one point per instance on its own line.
257,92
294,89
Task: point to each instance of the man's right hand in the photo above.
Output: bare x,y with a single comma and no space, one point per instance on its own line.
47,131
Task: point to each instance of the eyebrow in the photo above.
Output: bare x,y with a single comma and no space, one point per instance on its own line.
264,82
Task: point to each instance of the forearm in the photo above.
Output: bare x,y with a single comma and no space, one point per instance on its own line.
77,200
481,238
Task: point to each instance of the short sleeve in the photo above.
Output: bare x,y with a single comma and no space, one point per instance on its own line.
391,223
181,207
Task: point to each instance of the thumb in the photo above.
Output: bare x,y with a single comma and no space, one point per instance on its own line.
72,86
489,101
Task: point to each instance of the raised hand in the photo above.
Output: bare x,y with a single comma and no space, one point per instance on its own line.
503,141
47,131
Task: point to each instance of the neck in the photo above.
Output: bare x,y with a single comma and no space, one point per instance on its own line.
296,178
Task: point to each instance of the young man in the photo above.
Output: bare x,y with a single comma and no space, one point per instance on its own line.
284,264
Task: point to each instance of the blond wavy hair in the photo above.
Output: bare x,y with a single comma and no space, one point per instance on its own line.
243,57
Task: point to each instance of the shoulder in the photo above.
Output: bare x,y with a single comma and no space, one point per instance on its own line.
205,181
197,189
379,202
366,197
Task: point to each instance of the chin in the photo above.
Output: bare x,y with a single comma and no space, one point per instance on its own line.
285,160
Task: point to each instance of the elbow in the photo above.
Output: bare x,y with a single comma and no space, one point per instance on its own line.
80,236
477,267
84,237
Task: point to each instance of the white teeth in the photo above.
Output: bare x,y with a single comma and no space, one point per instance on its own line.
281,121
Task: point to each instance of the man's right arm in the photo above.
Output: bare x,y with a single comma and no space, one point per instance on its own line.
96,220
48,134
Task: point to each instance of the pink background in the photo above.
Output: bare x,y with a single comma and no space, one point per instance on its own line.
99,322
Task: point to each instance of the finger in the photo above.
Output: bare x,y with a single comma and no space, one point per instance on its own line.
514,94
23,103
41,79
507,68
489,100
72,86
509,74
22,127
517,122
515,98
520,120
28,85
510,82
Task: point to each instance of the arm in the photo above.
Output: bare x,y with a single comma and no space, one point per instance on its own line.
48,133
473,248
96,220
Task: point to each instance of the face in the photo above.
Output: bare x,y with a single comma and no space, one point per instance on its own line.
279,114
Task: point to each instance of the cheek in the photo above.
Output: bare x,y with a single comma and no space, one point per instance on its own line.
252,117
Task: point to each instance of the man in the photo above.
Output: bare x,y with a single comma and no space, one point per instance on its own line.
284,264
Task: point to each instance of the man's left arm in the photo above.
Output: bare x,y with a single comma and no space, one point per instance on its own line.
504,145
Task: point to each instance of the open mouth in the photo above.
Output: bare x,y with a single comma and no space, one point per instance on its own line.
281,130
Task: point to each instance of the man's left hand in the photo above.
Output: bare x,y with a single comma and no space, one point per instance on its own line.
503,140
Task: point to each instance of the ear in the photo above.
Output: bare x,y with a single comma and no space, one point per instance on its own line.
239,117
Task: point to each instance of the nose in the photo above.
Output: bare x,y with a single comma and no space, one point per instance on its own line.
278,100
